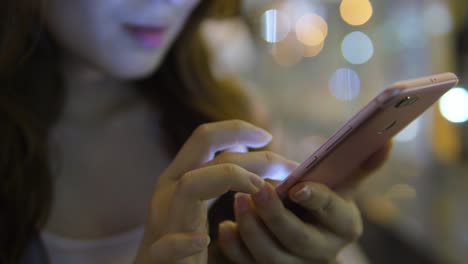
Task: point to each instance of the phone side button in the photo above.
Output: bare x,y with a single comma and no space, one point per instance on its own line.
339,137
312,162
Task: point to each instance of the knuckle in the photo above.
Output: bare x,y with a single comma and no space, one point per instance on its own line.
185,183
224,157
270,157
230,169
202,132
238,124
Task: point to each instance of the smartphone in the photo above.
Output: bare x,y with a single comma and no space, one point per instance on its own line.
368,130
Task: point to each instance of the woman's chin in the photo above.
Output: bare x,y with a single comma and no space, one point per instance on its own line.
135,72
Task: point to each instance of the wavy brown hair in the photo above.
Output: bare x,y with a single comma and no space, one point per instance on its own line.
32,97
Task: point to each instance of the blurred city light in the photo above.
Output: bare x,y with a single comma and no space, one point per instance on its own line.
454,105
287,52
345,84
312,51
231,44
410,132
311,29
356,12
298,8
357,47
444,22
381,209
408,22
276,25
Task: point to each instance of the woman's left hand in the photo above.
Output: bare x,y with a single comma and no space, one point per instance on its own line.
266,232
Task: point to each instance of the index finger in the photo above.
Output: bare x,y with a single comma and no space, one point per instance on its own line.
210,138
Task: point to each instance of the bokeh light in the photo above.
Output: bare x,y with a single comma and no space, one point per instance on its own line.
311,29
231,44
345,84
276,25
381,209
356,12
454,105
410,132
312,51
407,21
287,52
298,8
357,47
443,23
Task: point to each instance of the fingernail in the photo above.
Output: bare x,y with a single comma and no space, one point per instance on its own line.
257,181
224,232
242,203
303,194
292,165
262,196
266,135
201,242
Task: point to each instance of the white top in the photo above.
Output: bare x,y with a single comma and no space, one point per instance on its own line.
118,249
122,248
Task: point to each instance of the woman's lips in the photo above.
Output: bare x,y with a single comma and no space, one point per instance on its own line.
147,36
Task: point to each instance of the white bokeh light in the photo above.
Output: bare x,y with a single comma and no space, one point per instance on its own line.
345,84
276,25
443,23
357,47
298,8
454,105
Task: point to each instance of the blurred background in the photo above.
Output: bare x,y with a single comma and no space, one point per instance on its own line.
311,64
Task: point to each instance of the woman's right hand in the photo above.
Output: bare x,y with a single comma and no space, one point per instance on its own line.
177,227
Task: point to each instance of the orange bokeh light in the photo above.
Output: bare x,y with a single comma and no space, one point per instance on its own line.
311,29
356,12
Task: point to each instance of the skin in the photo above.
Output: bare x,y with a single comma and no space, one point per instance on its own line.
92,33
104,118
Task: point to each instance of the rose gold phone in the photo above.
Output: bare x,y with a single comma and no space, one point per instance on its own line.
368,130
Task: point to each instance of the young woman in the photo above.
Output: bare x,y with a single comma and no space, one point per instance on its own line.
110,126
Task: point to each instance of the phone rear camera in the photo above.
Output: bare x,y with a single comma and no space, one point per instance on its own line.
407,101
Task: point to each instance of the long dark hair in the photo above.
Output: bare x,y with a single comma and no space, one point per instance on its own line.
32,96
